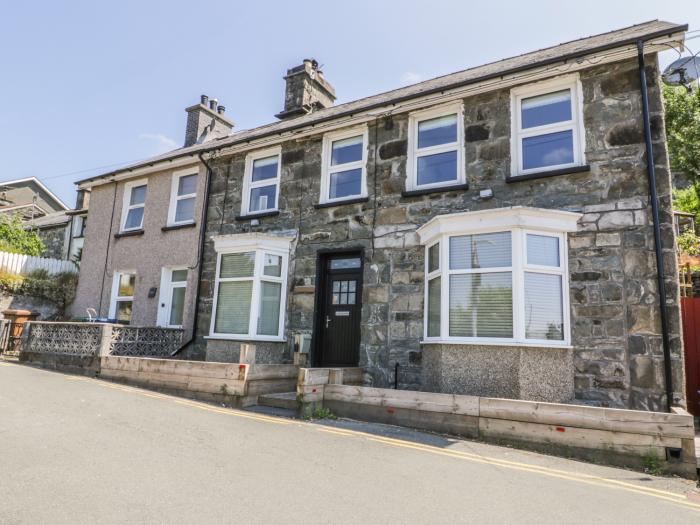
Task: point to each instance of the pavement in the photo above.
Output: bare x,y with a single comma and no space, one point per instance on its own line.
79,450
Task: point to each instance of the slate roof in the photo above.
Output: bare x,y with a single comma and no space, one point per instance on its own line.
568,50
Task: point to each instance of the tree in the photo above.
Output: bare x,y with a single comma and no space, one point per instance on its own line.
15,239
682,109
687,200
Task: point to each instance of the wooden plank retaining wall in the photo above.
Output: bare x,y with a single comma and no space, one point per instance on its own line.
234,384
613,436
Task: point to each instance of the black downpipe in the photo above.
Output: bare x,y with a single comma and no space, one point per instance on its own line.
200,251
651,174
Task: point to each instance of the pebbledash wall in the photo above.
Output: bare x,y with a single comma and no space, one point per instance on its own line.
616,357
155,247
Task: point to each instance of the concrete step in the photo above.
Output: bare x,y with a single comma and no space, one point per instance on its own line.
286,400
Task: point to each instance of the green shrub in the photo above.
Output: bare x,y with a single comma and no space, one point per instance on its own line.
58,289
15,239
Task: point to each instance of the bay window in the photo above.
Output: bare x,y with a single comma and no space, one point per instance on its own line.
435,145
250,287
261,182
547,126
498,276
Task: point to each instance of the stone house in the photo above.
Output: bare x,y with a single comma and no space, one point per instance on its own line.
488,232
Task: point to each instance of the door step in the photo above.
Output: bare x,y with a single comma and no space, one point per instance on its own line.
286,400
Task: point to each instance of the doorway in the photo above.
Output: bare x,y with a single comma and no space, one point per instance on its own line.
339,309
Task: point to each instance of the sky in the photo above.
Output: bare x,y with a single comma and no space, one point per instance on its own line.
88,86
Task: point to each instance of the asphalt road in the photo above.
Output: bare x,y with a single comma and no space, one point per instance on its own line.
77,450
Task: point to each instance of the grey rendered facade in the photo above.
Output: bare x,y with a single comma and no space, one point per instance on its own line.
611,352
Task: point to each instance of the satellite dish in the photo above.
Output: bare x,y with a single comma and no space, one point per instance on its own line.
682,72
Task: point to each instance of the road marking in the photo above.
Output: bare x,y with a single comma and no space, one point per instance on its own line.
672,497
180,401
678,499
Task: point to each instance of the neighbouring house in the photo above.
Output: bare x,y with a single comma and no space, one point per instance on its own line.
487,232
140,258
40,209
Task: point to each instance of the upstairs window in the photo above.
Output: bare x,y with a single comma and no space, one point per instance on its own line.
134,205
344,166
547,126
183,196
261,182
435,149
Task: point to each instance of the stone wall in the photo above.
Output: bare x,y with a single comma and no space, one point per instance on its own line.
617,351
46,309
56,240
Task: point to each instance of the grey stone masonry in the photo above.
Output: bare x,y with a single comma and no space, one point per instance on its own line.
615,329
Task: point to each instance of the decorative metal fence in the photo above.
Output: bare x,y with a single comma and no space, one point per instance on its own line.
95,339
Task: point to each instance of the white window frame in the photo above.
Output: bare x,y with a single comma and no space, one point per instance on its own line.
260,244
175,198
249,185
414,153
328,169
429,276
520,221
165,298
126,207
517,94
116,298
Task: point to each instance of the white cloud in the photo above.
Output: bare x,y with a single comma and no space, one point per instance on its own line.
411,77
162,143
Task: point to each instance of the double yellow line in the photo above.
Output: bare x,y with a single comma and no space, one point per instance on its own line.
186,402
587,479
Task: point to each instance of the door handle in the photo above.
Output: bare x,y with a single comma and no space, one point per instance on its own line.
328,320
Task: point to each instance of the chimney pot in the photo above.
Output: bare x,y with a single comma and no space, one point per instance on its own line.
202,125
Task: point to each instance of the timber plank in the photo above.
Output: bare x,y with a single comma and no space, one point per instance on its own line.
424,401
617,420
273,372
622,442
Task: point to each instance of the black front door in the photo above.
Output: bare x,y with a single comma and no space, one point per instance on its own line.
339,322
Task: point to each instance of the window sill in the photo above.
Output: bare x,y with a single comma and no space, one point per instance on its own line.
172,227
251,216
331,204
491,343
246,339
130,233
440,189
548,173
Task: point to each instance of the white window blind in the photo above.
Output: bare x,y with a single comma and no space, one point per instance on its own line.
503,286
250,294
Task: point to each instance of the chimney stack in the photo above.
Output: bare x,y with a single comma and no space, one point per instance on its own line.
206,121
307,90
